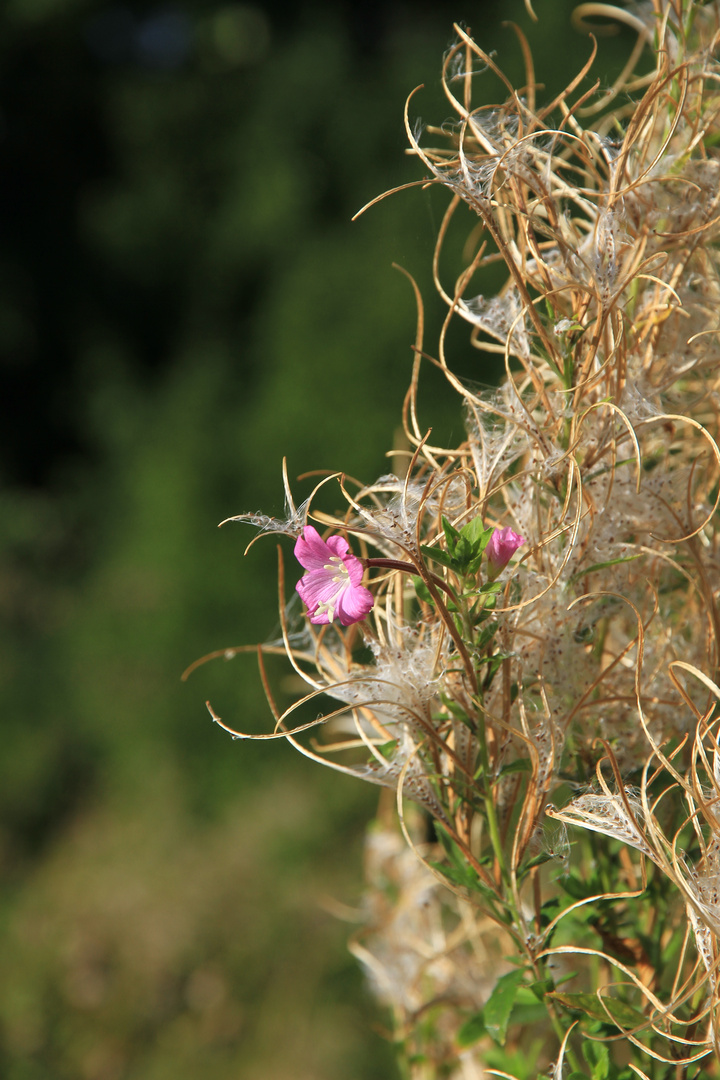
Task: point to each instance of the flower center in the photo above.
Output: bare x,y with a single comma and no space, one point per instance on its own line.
340,576
338,569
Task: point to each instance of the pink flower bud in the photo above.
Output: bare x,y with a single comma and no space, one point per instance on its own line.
501,547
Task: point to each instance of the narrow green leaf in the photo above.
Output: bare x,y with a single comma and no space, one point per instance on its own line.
438,555
579,889
468,879
421,591
452,850
597,1056
549,909
487,633
500,1003
451,535
610,1011
519,765
454,708
476,534
471,1031
486,610
491,587
537,860
464,876
527,1001
495,660
493,666
603,566
541,988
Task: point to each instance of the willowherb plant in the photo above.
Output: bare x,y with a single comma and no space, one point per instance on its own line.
532,615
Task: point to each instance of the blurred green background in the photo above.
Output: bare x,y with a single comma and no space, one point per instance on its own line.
185,301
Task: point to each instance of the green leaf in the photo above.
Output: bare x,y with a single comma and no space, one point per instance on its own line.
603,566
476,534
486,611
453,707
459,875
491,587
463,552
421,591
525,1001
537,860
453,851
579,889
519,765
598,1058
438,555
468,879
451,535
477,537
500,1003
487,633
471,1031
610,1011
465,548
495,660
549,910
541,988
493,666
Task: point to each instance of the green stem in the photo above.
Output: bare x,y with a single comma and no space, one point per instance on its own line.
491,814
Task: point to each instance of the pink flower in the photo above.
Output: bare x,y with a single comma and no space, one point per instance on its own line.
331,586
502,545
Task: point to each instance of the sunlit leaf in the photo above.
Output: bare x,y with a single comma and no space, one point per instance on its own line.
610,1010
500,1004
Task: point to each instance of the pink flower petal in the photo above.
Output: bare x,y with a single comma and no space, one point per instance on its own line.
354,604
311,551
338,545
316,587
331,587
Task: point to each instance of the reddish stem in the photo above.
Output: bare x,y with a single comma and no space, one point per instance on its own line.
408,568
